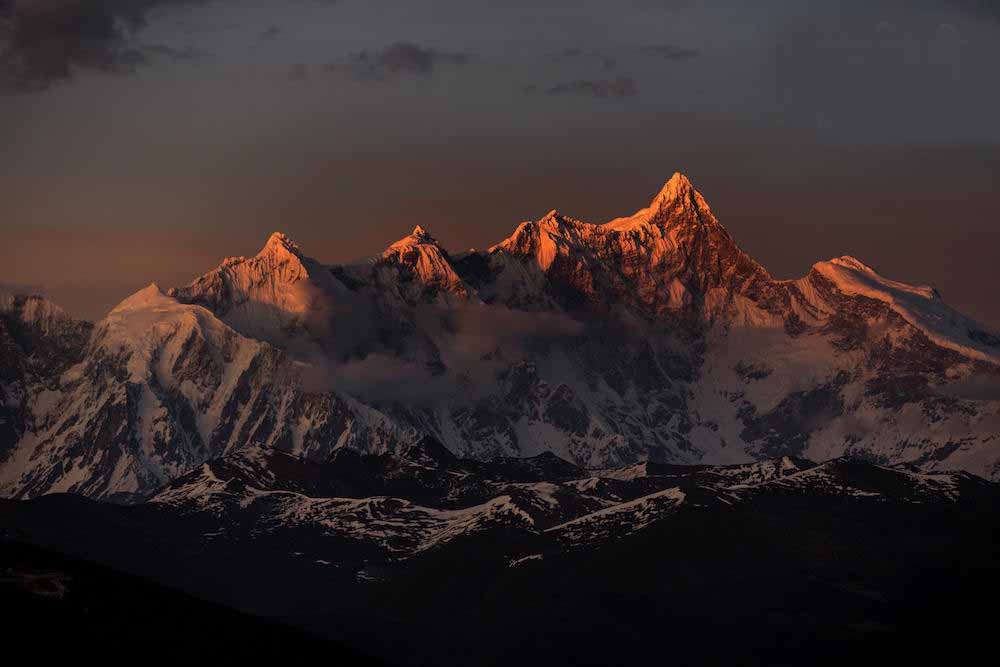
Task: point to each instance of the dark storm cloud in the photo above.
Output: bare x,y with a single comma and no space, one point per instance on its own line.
401,59
602,89
44,41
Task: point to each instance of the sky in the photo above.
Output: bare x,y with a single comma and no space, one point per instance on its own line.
145,140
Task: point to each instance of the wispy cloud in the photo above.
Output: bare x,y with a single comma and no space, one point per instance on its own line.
603,89
401,59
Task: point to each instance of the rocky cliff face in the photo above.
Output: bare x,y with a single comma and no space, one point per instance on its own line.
651,337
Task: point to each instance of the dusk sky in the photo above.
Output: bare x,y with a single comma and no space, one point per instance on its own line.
145,140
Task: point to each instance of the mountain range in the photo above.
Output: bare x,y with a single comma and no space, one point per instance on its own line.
652,337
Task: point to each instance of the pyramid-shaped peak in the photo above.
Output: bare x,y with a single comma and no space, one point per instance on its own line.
677,195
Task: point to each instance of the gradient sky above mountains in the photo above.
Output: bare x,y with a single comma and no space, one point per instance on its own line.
146,140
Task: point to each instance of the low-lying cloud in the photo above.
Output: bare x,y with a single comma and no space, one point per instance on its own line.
436,353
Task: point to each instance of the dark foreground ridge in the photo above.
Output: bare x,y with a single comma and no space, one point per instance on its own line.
428,559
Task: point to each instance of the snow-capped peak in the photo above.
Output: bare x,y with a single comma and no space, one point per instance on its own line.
266,296
279,244
144,298
147,320
420,254
677,187
419,236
